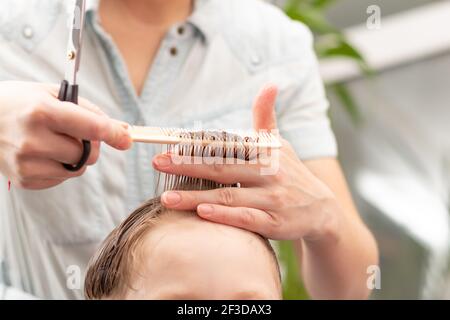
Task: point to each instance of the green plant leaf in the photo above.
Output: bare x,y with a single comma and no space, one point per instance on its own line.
312,17
320,4
347,101
293,288
331,42
333,45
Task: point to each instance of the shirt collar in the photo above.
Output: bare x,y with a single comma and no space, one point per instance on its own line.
91,5
201,17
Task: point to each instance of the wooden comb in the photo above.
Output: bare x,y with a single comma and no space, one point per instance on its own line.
204,138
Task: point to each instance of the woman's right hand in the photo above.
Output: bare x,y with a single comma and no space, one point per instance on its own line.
38,133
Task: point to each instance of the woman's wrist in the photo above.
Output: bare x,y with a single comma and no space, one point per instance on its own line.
329,230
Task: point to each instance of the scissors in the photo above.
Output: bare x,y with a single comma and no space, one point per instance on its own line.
69,88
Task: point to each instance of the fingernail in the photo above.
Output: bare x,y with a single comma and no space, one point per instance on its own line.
205,209
163,161
171,198
126,142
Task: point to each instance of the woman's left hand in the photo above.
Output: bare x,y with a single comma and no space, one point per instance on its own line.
290,204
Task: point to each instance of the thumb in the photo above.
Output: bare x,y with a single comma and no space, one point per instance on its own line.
264,109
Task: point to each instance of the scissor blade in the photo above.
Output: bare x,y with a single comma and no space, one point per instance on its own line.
75,40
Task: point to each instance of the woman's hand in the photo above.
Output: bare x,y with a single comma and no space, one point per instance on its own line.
38,133
290,204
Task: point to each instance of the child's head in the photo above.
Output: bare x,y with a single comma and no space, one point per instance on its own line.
163,254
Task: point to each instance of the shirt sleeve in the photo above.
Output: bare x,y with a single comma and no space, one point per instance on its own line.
303,108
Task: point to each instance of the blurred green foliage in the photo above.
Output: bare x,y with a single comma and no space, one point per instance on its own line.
293,288
330,42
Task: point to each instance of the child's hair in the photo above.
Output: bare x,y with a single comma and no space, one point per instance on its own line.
108,273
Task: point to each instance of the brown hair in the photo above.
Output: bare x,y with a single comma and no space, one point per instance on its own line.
108,271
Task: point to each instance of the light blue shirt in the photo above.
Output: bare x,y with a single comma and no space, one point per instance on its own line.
207,72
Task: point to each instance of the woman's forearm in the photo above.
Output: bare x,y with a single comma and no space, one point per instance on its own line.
336,267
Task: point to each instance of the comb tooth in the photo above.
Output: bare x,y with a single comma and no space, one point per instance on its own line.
166,182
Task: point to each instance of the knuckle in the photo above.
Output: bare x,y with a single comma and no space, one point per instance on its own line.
274,223
99,128
276,197
38,113
226,196
27,147
246,217
218,169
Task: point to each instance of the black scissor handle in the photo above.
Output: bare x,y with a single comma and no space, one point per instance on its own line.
69,93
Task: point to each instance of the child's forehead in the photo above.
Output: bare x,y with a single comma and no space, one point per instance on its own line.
182,228
192,242
193,257
183,246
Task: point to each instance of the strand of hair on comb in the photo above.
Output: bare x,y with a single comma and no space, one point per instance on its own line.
218,148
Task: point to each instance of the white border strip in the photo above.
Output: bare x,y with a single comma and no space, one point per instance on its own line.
403,38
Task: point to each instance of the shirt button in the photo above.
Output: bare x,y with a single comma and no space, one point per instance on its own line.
180,30
173,51
28,32
255,59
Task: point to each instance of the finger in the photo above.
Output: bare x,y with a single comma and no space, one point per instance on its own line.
66,118
232,197
61,148
264,109
250,219
44,169
37,184
86,104
249,173
93,154
82,102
